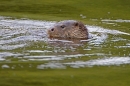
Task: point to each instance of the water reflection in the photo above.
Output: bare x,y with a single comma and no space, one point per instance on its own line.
26,40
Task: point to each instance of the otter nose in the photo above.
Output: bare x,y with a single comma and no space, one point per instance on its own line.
52,29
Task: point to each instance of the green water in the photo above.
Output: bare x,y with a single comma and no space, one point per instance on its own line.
28,57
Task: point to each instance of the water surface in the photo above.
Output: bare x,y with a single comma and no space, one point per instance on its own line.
25,40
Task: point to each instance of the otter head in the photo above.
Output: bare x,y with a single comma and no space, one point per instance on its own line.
68,29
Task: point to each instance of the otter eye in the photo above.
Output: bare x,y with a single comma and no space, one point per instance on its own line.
52,29
62,26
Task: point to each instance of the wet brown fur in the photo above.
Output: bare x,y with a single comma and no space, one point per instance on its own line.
68,29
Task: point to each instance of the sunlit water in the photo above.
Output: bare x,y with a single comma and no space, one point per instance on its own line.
24,40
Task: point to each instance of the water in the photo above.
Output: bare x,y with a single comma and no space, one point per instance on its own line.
25,40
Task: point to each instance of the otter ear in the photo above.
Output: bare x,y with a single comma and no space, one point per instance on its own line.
80,25
76,24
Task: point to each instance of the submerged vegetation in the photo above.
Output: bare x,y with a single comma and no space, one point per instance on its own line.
26,73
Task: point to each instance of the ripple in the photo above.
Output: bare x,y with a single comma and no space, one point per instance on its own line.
17,23
103,30
100,62
39,51
51,65
5,66
27,40
4,55
11,47
118,20
2,59
90,63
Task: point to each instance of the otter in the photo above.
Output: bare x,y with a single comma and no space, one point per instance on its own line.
68,29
